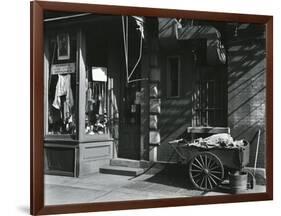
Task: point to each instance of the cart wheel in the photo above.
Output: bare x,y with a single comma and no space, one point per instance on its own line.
206,171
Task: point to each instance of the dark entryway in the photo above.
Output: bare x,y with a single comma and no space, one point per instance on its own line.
129,87
129,123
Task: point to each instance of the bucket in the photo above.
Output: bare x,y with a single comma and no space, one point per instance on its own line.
238,182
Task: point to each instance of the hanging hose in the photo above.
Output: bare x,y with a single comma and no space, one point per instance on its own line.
125,27
138,61
154,163
125,37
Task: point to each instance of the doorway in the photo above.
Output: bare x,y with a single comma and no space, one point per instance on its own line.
129,123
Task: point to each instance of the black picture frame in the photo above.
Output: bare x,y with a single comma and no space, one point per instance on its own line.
63,42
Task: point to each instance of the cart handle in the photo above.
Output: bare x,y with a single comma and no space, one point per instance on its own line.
175,141
172,144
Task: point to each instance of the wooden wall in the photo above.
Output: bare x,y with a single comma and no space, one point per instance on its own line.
176,113
245,70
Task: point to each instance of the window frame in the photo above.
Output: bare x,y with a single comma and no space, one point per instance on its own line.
168,75
51,35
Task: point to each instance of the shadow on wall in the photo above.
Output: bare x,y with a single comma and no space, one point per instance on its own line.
175,118
246,94
246,88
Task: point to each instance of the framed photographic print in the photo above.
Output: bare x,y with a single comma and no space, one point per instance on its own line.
144,107
63,46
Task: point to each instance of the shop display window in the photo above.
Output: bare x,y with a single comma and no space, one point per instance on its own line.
96,120
61,84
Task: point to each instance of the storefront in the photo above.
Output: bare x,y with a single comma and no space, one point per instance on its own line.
92,106
103,95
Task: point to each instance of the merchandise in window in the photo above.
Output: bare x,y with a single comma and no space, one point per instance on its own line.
61,88
96,101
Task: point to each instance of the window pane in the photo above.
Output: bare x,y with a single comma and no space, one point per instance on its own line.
61,86
173,70
96,101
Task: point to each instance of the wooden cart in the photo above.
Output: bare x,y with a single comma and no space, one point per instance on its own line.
208,167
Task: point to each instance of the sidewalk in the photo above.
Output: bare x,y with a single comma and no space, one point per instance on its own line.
170,182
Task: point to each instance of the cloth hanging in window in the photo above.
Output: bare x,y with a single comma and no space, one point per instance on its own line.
89,100
63,88
102,99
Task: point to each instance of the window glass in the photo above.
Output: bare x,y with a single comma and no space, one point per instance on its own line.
173,76
96,101
61,84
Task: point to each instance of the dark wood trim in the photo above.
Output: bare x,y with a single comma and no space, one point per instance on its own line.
32,173
37,113
87,207
37,121
269,107
142,11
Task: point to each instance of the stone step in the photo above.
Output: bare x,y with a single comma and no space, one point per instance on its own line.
121,170
129,163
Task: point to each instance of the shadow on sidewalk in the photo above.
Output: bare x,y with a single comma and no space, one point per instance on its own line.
176,175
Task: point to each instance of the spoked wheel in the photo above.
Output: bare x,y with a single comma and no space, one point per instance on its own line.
206,171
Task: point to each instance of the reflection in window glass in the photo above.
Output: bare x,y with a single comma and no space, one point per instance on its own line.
96,101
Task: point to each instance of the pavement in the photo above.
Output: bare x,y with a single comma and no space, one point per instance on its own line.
170,181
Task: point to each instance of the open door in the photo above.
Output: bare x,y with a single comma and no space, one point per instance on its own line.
129,123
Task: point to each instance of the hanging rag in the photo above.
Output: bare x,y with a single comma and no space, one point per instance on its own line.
89,100
101,99
63,88
102,109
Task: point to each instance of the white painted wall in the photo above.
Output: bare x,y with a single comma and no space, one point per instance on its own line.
14,113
